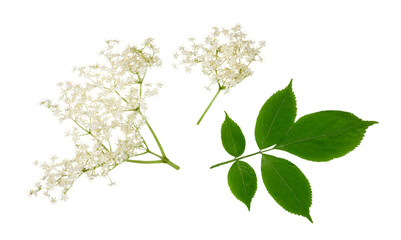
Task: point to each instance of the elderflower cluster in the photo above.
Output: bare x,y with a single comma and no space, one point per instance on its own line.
105,109
224,56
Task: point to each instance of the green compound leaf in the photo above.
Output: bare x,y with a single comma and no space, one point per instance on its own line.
275,117
232,137
242,182
287,185
324,135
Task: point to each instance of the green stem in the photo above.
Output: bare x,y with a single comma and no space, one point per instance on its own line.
236,159
125,100
88,132
140,86
162,160
156,139
144,162
175,166
210,104
155,154
223,163
163,157
143,153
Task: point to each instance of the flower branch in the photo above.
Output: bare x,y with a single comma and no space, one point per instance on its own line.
97,104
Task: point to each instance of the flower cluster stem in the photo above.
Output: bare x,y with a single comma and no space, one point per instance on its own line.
163,157
144,162
156,139
210,104
173,165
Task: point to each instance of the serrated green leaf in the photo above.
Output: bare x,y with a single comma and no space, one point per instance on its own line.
275,117
325,135
287,185
232,137
242,182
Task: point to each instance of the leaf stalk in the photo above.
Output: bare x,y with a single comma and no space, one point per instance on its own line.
239,158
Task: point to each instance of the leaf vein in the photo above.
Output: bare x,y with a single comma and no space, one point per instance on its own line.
274,119
320,136
242,178
233,142
289,188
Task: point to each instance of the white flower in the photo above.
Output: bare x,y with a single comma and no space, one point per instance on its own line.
105,106
224,56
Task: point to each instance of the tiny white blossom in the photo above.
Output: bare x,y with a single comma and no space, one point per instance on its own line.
105,106
224,56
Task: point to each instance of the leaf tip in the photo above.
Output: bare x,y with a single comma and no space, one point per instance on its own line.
309,217
248,205
226,114
370,123
290,84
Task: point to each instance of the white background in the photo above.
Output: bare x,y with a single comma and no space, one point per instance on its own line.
343,55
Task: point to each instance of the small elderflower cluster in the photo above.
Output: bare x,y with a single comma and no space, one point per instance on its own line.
106,110
224,57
